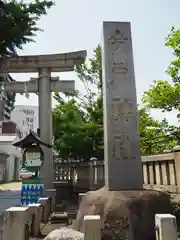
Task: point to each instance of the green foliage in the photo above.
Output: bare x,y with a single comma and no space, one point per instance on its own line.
73,136
18,23
87,132
154,136
78,121
18,26
162,94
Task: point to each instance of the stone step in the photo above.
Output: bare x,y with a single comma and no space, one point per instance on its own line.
59,217
72,213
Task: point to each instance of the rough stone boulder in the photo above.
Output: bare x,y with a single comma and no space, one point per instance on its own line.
65,234
124,212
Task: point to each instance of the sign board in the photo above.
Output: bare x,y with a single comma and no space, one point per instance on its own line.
31,191
33,159
32,186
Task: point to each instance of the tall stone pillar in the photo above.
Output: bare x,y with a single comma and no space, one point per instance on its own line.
45,125
123,168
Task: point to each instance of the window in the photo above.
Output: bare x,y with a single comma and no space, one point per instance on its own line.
30,120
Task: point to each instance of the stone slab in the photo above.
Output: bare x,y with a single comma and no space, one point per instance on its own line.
45,202
166,227
92,227
15,223
123,170
80,196
52,194
59,217
36,212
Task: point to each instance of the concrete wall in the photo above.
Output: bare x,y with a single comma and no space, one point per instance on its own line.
10,168
3,162
11,162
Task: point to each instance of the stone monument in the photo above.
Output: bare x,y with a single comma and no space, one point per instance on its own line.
44,85
123,200
123,170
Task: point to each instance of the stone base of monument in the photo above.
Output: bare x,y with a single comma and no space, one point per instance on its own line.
124,214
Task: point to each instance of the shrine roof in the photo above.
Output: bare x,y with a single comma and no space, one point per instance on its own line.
31,138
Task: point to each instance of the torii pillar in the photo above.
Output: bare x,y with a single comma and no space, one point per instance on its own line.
44,65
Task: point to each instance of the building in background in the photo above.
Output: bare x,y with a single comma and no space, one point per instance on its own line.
10,156
26,116
21,120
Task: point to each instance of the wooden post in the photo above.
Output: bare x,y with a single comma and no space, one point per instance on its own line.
92,227
166,228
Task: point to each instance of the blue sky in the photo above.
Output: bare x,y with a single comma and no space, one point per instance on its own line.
77,24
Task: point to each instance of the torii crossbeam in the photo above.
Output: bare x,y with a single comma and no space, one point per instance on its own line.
44,85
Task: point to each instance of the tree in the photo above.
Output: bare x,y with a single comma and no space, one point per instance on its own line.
18,23
88,133
73,135
83,133
153,134
164,94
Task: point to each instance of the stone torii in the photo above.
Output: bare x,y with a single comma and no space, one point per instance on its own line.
43,85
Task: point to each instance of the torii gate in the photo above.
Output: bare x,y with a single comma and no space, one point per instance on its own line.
44,84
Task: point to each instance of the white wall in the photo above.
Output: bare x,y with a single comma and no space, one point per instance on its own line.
10,149
14,152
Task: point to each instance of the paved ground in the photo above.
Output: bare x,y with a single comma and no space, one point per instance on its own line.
9,198
10,186
9,195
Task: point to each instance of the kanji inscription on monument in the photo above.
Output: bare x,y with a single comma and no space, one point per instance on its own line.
123,170
121,107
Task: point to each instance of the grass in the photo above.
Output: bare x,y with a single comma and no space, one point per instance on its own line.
10,186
